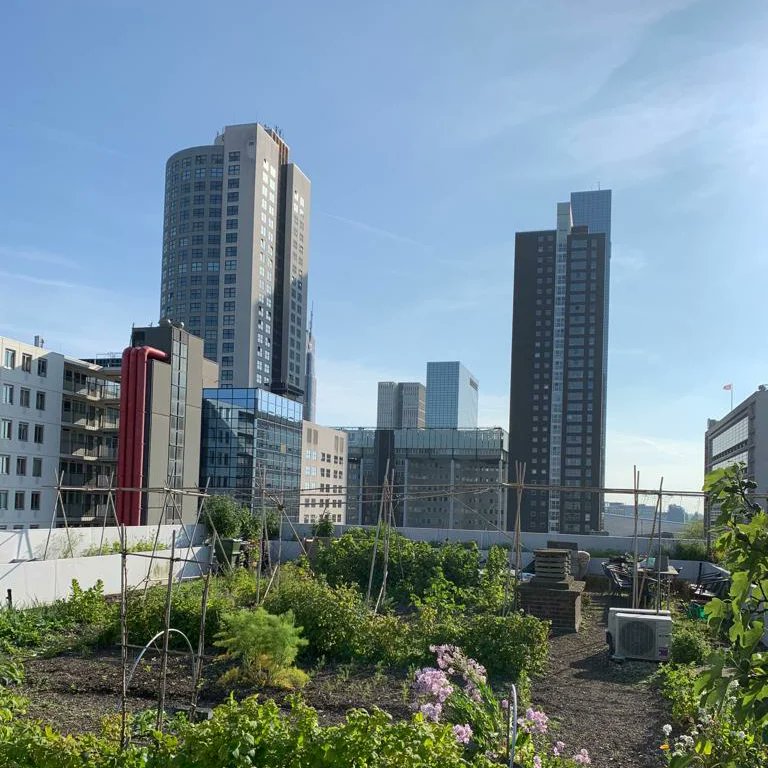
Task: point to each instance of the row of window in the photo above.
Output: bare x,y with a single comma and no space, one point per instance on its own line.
22,431
22,464
9,397
9,361
20,500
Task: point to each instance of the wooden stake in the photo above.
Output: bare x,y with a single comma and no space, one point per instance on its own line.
166,636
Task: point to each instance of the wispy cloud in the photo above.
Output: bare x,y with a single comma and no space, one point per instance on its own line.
377,231
23,253
51,283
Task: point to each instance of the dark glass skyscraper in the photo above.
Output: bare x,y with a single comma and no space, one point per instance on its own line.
559,364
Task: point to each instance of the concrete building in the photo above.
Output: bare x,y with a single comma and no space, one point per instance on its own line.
163,374
401,405
741,436
559,364
30,431
451,397
251,448
236,256
58,422
443,478
323,474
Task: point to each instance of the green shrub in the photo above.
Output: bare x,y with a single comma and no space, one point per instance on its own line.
333,618
689,645
689,550
225,515
509,647
264,647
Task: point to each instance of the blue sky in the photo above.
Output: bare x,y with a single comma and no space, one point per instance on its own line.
432,131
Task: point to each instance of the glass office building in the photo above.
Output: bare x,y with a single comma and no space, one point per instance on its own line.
451,396
251,447
443,478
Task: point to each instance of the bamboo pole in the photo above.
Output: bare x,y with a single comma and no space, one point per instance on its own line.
166,636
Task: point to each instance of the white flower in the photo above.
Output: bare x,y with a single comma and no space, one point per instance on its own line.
667,729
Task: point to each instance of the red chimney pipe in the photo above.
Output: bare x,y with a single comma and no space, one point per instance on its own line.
133,401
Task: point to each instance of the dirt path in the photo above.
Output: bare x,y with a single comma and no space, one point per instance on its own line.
607,708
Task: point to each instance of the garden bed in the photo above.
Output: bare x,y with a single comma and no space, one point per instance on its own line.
73,692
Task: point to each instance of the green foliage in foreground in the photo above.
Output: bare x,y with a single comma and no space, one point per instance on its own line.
238,736
726,700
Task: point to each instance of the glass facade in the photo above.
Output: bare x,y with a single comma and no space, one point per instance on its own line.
251,447
731,437
451,396
444,478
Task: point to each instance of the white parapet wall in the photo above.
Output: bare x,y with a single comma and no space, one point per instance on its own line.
60,543
36,582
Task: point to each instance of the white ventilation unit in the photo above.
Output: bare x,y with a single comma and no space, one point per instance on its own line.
610,632
642,636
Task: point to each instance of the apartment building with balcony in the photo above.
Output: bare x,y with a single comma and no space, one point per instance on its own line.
90,420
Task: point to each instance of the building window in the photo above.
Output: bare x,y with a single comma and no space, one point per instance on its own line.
24,395
39,433
26,363
233,183
6,429
40,401
233,197
9,360
34,501
228,320
23,432
7,394
231,223
5,465
21,465
18,501
232,210
234,157
231,237
213,266
3,500
230,265
233,170
37,467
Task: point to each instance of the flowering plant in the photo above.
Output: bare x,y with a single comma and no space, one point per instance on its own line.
456,691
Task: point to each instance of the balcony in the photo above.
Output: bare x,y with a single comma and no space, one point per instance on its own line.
78,450
93,390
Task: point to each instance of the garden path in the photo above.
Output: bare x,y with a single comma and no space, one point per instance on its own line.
608,708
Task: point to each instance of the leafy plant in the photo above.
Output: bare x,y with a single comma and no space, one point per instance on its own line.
689,645
263,645
323,529
225,515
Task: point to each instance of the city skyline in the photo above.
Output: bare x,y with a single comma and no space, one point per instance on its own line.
662,114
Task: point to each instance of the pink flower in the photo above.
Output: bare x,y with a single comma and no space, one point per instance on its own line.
582,757
536,720
463,733
434,683
558,748
431,711
504,704
536,761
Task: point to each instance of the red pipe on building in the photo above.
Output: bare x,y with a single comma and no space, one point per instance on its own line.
133,399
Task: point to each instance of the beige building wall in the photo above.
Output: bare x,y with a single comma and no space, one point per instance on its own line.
323,474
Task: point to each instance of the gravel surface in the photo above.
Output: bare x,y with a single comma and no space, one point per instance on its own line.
608,708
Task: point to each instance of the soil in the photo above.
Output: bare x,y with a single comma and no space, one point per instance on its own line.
608,708
74,691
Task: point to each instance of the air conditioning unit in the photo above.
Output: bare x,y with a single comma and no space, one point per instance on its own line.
642,636
610,632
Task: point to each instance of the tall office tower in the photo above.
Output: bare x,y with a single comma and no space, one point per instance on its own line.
310,386
401,405
236,256
559,359
451,396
